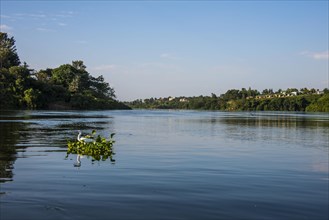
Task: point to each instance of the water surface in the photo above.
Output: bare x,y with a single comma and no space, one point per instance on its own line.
168,165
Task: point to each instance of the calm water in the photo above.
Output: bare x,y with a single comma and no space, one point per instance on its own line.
168,165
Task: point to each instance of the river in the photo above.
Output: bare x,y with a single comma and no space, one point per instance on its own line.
167,165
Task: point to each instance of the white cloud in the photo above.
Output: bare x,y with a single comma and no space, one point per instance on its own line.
165,55
150,65
45,30
105,67
62,24
37,15
65,14
30,15
46,22
5,28
168,56
4,16
322,55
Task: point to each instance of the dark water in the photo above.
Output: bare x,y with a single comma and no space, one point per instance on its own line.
168,165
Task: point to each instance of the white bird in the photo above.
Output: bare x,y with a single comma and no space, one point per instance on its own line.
84,139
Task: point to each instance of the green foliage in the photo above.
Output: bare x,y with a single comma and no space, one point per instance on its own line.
63,75
319,105
245,100
8,54
232,94
31,97
68,86
82,90
6,89
98,149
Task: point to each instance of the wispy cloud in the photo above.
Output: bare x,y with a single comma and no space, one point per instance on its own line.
65,14
322,55
45,29
4,16
41,16
29,15
42,21
62,24
105,67
5,28
164,55
168,56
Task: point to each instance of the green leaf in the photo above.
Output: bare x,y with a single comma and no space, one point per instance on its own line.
100,149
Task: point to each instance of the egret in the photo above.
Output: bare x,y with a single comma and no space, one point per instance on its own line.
84,139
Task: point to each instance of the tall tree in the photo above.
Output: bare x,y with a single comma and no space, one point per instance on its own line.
78,64
8,54
101,87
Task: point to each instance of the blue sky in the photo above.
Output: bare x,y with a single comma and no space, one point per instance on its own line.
177,48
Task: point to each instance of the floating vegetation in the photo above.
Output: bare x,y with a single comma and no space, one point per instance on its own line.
97,147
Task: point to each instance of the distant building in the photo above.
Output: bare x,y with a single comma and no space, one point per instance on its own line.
183,100
171,98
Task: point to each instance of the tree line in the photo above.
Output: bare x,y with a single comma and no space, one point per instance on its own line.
68,86
292,99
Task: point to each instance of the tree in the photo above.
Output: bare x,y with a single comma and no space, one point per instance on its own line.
75,85
64,75
232,94
8,54
267,91
305,91
31,97
320,105
101,87
68,86
244,93
292,90
78,64
44,75
21,76
7,82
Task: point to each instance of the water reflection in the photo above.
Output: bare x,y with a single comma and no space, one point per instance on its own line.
22,130
280,122
209,164
10,134
78,162
263,119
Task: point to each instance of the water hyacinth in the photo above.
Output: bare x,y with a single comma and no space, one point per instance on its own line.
99,148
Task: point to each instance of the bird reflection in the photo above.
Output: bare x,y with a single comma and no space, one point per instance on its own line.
78,162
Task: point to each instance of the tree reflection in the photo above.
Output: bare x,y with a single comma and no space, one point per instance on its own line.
9,138
276,121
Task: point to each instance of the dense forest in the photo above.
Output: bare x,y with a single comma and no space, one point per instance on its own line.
245,100
68,86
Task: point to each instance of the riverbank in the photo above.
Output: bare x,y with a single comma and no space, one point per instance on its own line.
239,102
